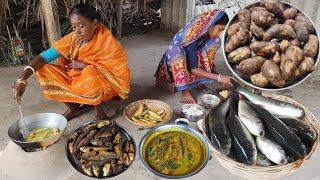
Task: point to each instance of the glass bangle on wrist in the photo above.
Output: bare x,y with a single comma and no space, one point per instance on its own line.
219,77
29,67
22,81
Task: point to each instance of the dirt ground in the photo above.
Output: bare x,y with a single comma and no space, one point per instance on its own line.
144,52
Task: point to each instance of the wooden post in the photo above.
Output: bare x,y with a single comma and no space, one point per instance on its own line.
119,18
175,16
191,6
51,18
2,12
144,7
182,14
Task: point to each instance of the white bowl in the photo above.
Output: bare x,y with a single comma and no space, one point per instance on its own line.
192,117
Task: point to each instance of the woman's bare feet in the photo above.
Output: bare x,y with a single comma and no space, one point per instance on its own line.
74,110
100,114
187,97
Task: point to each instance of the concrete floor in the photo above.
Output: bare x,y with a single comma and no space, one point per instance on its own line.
144,53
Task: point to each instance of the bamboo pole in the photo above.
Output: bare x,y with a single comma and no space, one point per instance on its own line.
51,19
3,4
144,7
119,18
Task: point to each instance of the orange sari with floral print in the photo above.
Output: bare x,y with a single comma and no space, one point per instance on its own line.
107,74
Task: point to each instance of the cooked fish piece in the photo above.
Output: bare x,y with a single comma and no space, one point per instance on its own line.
105,123
100,156
96,171
85,141
87,170
117,138
106,169
126,159
120,168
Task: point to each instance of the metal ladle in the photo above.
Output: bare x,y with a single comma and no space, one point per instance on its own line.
23,128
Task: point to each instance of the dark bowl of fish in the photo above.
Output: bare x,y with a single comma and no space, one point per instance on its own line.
100,149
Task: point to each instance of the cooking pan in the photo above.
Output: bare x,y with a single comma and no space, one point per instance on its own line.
33,122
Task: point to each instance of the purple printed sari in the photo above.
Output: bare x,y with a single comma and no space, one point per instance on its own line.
173,67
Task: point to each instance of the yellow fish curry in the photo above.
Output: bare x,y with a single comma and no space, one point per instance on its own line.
42,133
174,153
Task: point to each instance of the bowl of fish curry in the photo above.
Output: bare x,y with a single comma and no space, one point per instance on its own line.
44,129
174,151
100,149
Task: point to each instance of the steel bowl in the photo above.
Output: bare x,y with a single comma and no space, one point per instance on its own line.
72,162
246,80
33,122
180,125
210,100
192,118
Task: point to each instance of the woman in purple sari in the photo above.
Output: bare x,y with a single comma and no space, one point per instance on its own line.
189,60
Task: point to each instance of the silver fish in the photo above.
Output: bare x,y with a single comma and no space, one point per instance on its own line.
250,119
273,151
275,107
262,160
282,134
242,141
306,133
216,128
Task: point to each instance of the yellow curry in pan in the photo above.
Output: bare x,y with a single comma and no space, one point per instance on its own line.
41,134
174,153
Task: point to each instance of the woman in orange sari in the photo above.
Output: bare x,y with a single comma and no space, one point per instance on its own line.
91,66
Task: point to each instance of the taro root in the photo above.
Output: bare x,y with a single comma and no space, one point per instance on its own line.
290,22
251,65
257,31
280,31
259,80
262,18
289,63
303,28
233,29
277,58
264,49
290,13
239,54
244,17
284,45
241,38
306,66
274,6
272,72
311,47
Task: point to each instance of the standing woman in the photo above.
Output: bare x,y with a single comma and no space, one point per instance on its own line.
91,66
189,60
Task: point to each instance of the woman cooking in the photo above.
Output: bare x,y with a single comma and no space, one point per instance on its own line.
189,60
91,66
